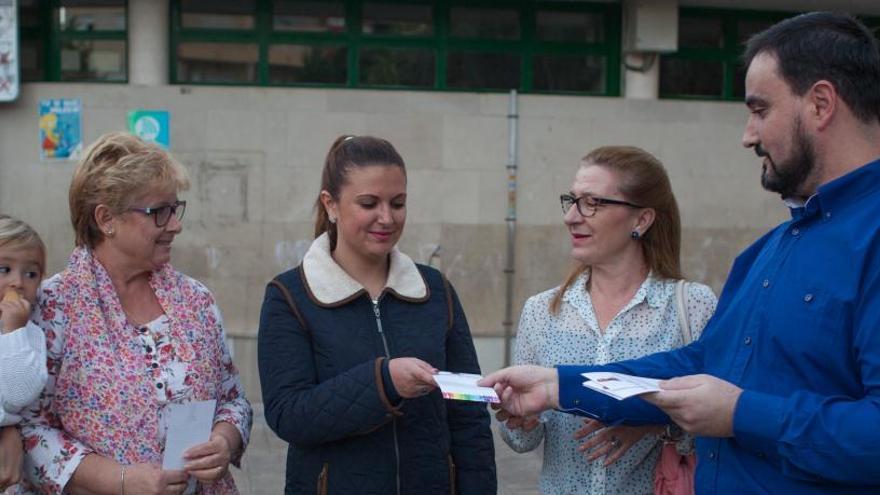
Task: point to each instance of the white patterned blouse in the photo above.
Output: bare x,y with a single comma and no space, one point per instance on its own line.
647,324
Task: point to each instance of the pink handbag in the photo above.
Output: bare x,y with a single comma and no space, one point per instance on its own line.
674,474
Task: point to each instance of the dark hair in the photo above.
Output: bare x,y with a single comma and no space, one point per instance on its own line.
825,46
345,153
642,180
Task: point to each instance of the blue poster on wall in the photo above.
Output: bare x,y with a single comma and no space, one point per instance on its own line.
60,129
151,126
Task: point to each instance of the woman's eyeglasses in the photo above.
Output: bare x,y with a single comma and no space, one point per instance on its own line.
587,205
162,214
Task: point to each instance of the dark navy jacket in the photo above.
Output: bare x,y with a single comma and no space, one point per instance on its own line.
324,393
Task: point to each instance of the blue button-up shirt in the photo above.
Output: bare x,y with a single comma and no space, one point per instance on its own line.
798,329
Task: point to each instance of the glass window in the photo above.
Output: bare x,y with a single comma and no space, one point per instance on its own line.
482,70
746,28
397,19
28,14
686,77
467,22
217,14
291,64
569,73
576,27
93,60
397,67
30,56
314,17
91,15
700,32
217,62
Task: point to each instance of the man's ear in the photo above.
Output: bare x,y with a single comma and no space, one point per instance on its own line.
823,101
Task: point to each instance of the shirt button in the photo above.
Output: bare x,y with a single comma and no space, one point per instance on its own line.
747,341
795,231
765,283
155,365
711,455
828,214
808,298
159,385
577,402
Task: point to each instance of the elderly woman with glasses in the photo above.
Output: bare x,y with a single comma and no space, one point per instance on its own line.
127,337
618,302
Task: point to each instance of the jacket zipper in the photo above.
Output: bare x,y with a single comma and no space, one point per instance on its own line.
394,421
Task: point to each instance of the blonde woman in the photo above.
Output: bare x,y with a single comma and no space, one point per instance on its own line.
617,303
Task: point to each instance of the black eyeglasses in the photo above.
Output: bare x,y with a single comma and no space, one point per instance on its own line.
162,214
587,205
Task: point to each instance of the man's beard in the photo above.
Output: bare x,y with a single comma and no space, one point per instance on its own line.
788,177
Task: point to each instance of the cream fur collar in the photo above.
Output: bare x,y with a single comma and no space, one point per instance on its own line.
329,285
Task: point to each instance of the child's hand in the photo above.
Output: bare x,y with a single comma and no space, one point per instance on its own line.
10,457
14,312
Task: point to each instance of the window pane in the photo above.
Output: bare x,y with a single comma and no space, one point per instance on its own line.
739,81
681,77
397,67
468,22
482,70
397,19
291,64
28,14
746,28
217,14
30,57
575,27
313,17
700,32
217,62
570,73
93,60
91,15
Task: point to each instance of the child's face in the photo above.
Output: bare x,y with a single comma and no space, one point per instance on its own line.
20,270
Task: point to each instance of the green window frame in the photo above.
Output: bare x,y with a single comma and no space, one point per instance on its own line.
727,54
50,40
526,49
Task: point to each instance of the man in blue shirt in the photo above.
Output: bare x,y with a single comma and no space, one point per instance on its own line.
783,388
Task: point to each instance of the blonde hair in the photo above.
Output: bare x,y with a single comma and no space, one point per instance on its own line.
117,170
643,181
16,234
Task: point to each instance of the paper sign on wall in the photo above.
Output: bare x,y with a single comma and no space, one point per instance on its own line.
151,126
9,78
60,129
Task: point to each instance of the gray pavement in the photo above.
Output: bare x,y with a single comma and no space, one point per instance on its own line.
262,470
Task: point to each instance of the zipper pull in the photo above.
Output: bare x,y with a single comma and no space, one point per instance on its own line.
376,309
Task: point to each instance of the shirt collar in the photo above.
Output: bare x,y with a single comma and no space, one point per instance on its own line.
838,192
329,284
651,291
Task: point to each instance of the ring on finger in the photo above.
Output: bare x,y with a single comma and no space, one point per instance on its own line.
615,443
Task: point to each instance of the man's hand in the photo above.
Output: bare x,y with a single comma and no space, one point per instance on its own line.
701,404
525,390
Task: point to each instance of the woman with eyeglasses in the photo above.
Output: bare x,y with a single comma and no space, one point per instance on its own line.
127,337
618,302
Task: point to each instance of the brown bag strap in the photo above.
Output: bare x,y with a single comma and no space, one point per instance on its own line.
292,305
449,308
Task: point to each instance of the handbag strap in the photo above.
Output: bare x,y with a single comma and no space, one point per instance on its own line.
680,291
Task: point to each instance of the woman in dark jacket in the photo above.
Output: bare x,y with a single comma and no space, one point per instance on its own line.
349,342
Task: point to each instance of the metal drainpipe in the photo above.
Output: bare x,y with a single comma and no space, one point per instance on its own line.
512,121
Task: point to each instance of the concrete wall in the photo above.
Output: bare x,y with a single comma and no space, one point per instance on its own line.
255,155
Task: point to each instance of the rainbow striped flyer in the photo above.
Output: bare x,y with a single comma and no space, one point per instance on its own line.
463,386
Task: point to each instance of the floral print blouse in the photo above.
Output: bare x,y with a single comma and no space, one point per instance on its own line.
647,324
52,455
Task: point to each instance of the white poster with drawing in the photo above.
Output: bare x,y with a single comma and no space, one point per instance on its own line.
8,50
